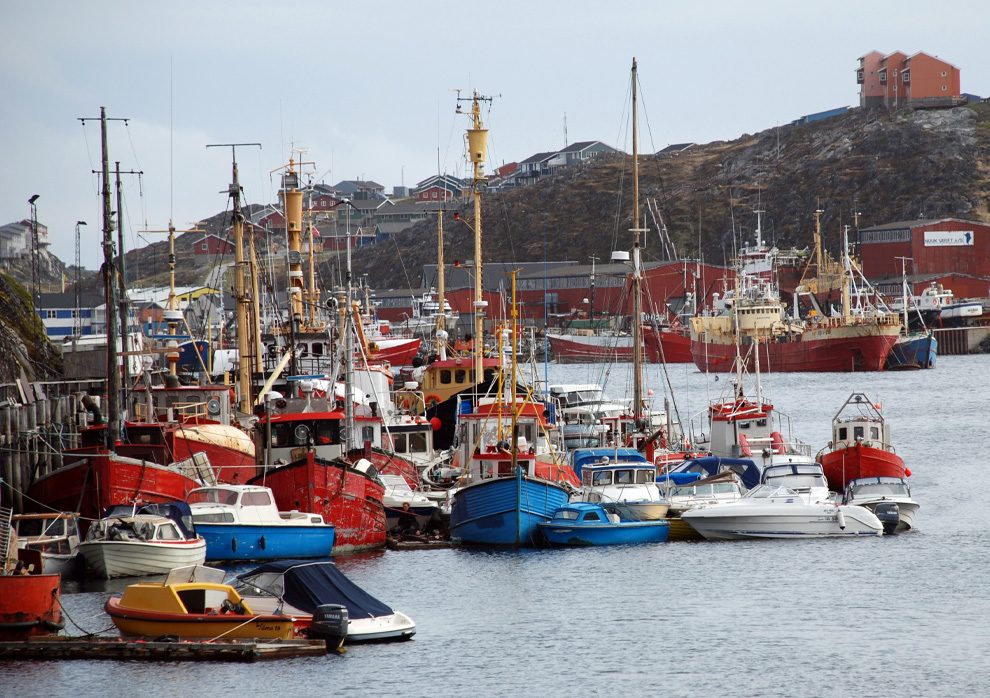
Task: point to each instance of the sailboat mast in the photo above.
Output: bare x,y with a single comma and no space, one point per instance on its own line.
637,313
442,317
477,147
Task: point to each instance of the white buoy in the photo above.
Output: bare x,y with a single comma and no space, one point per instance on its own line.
841,519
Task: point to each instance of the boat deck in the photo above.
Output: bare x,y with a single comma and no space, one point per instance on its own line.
61,647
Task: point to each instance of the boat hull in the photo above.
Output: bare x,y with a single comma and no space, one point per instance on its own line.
666,346
782,521
349,499
92,485
398,351
132,622
913,352
578,348
29,606
626,532
108,559
842,349
504,511
242,542
858,461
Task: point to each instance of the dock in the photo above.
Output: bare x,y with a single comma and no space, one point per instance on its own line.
61,647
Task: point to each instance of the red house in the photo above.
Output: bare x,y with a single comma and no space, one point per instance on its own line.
212,245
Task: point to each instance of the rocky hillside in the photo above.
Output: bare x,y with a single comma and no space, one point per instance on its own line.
24,346
902,166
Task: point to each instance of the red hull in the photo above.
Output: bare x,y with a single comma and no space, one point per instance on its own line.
400,353
845,464
92,485
590,348
29,606
667,346
345,497
845,354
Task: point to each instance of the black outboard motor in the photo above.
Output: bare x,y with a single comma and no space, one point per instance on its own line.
890,516
330,624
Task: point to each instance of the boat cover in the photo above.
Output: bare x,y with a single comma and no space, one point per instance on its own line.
589,456
308,584
747,470
179,512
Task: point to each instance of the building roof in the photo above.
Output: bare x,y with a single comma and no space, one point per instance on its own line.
583,145
349,186
675,148
900,225
539,157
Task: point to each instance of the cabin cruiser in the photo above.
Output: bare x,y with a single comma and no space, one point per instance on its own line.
793,502
887,497
621,480
56,536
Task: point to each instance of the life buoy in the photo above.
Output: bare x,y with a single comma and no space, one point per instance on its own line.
432,400
778,443
744,445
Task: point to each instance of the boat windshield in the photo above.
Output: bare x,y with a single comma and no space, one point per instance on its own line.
765,491
565,515
798,476
212,495
34,528
873,489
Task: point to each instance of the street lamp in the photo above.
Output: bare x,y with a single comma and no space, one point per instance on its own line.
34,249
77,318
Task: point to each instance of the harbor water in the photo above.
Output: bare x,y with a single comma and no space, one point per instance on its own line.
896,615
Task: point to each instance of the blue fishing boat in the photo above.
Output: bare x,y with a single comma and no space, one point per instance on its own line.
912,351
584,523
241,522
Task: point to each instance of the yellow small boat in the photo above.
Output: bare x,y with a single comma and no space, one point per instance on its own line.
192,602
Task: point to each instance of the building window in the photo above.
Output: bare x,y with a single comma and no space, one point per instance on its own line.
943,73
204,247
943,88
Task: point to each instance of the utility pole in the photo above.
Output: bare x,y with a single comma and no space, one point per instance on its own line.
34,251
124,301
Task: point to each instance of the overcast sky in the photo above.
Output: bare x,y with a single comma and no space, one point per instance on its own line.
368,89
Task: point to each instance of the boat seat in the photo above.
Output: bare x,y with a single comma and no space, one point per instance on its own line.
613,517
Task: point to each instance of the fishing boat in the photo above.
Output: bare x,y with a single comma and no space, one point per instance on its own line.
300,589
241,522
621,480
860,445
29,599
887,497
134,541
193,602
793,502
916,347
56,536
397,493
585,523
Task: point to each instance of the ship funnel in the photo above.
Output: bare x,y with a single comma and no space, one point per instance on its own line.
477,144
293,211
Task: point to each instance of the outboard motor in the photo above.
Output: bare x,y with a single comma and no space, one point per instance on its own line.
330,624
889,514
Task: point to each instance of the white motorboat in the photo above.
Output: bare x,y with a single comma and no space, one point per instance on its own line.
56,536
722,487
397,493
887,497
792,502
621,480
142,540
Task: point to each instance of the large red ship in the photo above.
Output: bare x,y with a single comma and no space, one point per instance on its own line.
860,445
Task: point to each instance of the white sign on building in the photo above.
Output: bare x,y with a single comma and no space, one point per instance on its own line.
948,238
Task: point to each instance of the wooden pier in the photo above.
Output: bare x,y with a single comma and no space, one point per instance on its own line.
60,647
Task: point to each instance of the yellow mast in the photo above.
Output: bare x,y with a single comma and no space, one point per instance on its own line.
477,138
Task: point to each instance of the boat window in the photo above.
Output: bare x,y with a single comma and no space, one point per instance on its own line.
445,376
399,443
875,433
300,435
761,422
326,432
566,514
212,496
256,499
417,442
460,375
624,477
603,477
724,487
858,433
168,532
591,516
34,528
489,374
224,517
505,467
744,425
643,476
367,434
843,433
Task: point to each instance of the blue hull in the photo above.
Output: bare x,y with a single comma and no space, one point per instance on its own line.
504,511
918,351
606,533
243,542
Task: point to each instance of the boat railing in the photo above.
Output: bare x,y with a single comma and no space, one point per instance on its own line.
175,411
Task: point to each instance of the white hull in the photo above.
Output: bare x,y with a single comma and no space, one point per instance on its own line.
906,508
394,627
109,559
736,520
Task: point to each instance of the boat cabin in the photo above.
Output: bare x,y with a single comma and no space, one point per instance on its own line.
798,477
743,428
55,533
860,421
240,504
873,488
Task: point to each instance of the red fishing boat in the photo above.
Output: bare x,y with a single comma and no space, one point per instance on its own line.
670,345
860,445
302,441
29,600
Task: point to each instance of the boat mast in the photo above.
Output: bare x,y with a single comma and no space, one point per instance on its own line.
442,317
637,271
245,357
109,280
477,138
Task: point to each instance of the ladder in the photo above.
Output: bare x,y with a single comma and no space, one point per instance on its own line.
6,515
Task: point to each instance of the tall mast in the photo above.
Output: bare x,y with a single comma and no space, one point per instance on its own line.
110,277
636,280
246,358
442,316
122,286
477,147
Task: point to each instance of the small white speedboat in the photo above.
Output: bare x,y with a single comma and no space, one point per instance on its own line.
793,502
139,541
887,497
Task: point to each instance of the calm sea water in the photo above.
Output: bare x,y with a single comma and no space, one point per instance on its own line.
898,615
